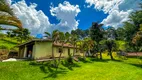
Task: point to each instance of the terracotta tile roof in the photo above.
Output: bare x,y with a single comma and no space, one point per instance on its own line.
65,45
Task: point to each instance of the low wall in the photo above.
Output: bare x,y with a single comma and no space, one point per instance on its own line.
3,54
134,54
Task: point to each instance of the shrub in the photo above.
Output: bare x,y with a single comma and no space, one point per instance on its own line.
3,47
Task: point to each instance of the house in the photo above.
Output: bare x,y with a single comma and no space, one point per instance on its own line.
43,48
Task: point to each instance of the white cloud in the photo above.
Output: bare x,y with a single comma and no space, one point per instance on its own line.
118,10
116,18
37,22
66,13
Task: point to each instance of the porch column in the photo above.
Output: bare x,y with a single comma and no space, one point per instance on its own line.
25,51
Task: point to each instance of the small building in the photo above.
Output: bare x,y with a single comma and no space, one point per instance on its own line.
43,48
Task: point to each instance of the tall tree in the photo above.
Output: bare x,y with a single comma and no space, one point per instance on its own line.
131,28
120,33
110,44
73,41
96,34
137,39
55,38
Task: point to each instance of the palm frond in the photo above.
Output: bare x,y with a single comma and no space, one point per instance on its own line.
10,20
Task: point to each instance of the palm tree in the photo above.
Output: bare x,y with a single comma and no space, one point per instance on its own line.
7,16
10,20
73,41
55,38
96,34
4,7
62,41
47,34
58,37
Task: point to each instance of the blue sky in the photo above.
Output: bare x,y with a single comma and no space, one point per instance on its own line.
85,17
66,15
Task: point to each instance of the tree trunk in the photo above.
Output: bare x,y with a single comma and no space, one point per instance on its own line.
53,57
111,56
60,57
59,60
100,55
74,50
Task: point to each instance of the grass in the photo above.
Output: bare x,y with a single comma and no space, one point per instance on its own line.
8,42
91,69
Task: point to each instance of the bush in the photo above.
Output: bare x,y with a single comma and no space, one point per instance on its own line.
3,47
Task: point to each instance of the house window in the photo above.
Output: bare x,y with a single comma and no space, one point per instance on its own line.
60,50
77,50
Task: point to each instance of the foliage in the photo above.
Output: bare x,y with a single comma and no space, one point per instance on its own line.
3,47
110,44
96,34
48,35
121,45
2,35
131,31
21,35
6,15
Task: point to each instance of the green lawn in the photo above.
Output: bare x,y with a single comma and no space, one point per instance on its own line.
8,43
94,69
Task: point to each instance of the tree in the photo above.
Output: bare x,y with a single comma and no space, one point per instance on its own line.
21,35
81,33
47,34
62,41
120,33
102,47
4,7
131,28
137,39
110,33
7,16
88,45
8,34
110,44
73,41
55,38
96,34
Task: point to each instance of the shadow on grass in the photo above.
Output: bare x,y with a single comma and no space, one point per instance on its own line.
70,66
99,60
103,60
50,69
52,72
84,60
137,65
136,57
